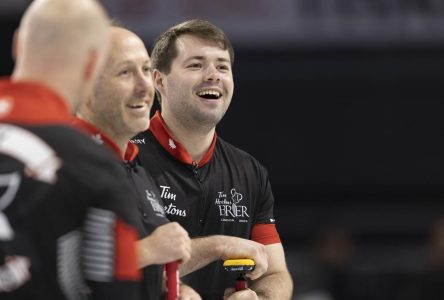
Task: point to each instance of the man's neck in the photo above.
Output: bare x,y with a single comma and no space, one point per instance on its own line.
57,85
196,141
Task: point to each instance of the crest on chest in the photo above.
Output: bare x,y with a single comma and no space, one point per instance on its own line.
230,206
169,197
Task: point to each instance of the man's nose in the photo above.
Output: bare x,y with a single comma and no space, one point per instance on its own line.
212,73
144,83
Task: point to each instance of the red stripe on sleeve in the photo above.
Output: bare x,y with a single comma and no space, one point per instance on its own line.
126,260
265,234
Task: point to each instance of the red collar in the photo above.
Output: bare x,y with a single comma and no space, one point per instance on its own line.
31,103
100,138
176,149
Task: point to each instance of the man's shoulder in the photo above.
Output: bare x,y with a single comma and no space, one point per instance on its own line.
235,153
149,147
70,143
79,155
59,153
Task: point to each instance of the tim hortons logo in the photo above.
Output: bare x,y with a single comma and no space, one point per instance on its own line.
171,209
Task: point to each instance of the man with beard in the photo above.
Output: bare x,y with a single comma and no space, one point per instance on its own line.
218,193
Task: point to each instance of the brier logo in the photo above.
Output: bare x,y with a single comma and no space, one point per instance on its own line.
230,210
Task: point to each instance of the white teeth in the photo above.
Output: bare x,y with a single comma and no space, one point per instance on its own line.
134,105
209,92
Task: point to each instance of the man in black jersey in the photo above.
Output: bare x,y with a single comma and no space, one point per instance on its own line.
115,112
217,192
67,226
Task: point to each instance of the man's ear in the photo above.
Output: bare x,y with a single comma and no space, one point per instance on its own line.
15,46
158,78
90,67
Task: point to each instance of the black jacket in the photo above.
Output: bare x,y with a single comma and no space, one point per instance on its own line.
150,213
227,193
67,210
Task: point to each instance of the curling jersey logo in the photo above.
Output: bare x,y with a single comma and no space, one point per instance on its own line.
172,144
158,209
171,209
97,138
138,141
229,207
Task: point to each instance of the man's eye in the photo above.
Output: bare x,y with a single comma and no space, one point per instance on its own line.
224,68
147,70
123,72
194,66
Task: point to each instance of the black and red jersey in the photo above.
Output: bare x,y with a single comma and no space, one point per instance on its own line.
64,205
151,210
228,192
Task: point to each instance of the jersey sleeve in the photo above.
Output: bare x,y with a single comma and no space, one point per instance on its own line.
109,256
265,234
110,232
264,229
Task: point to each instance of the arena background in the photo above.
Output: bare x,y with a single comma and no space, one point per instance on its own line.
342,101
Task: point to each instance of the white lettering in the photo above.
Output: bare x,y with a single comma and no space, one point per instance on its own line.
225,211
233,210
224,201
138,141
157,207
166,194
244,212
173,210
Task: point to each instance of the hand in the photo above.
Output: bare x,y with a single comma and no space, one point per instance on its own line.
241,248
169,242
247,294
187,293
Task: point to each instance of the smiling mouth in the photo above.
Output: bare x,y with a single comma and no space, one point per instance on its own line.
135,106
209,94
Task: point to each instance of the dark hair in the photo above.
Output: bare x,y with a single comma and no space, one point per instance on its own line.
165,50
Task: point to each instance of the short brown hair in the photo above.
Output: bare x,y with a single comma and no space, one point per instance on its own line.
165,51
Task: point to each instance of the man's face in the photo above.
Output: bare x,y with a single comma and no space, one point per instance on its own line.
124,92
199,87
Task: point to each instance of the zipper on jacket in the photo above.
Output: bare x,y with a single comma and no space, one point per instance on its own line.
195,169
130,170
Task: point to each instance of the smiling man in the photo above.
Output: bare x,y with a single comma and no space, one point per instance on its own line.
117,110
66,225
218,193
